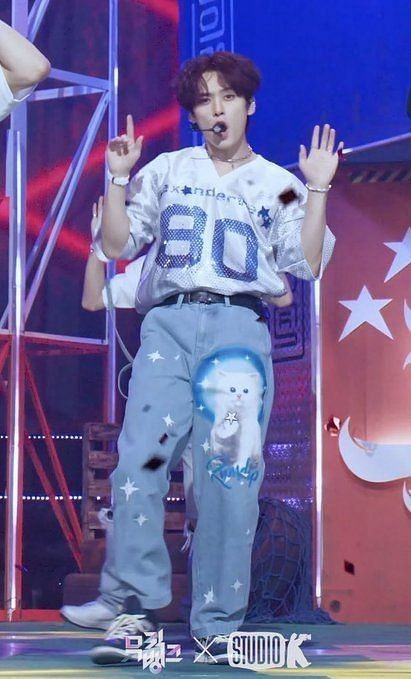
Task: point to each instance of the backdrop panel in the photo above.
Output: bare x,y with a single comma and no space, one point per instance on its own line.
344,62
367,384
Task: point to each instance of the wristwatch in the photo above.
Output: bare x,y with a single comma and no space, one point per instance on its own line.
118,181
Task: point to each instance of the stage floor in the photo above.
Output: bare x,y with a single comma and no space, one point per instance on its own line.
61,650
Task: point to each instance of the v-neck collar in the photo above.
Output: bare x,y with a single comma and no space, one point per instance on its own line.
213,170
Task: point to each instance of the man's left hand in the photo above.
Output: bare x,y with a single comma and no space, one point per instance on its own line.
320,164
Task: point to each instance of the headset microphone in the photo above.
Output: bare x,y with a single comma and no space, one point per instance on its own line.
218,128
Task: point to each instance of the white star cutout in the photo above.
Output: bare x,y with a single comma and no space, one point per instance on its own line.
407,315
365,309
129,488
247,358
141,519
403,255
205,383
231,417
169,422
216,361
200,407
236,586
155,356
209,596
206,446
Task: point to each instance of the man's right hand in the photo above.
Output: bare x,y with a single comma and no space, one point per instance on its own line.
123,152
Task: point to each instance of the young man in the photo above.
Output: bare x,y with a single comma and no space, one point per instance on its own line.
221,231
123,289
22,67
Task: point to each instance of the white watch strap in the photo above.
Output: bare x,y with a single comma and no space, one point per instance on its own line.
118,181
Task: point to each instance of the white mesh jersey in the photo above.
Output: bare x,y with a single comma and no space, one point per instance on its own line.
8,101
229,234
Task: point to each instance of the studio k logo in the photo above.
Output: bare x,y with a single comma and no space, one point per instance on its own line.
266,650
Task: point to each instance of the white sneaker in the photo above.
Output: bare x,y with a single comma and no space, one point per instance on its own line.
92,614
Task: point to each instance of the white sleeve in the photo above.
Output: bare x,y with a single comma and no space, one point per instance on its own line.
123,286
143,206
8,101
285,237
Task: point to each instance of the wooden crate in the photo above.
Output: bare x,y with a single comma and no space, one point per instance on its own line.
99,460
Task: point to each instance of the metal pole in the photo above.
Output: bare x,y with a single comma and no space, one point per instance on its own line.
16,189
110,400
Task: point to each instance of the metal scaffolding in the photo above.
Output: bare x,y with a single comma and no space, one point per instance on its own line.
14,339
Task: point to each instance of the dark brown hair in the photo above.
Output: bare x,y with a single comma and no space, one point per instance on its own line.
238,72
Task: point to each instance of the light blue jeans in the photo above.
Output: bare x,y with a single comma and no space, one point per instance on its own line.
202,371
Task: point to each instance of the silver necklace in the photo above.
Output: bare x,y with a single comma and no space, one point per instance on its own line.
232,161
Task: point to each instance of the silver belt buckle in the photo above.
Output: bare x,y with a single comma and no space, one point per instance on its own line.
203,297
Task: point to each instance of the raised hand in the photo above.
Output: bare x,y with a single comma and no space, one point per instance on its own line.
320,164
124,151
97,215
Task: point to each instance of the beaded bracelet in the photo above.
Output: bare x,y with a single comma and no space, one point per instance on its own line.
315,189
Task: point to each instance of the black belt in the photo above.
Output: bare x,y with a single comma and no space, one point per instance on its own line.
204,297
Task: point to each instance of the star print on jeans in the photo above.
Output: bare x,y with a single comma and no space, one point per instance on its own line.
264,213
186,190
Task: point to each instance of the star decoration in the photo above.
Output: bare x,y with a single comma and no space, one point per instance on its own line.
169,422
186,190
402,257
264,213
365,309
209,596
177,357
216,361
155,356
247,358
236,586
205,383
231,417
407,315
206,446
141,519
200,407
129,488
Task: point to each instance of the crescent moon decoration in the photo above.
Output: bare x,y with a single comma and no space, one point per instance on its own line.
381,462
406,496
374,462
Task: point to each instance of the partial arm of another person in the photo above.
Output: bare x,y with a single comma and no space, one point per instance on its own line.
24,66
318,167
95,273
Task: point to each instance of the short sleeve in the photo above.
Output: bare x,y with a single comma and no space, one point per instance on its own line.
123,286
8,100
285,235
